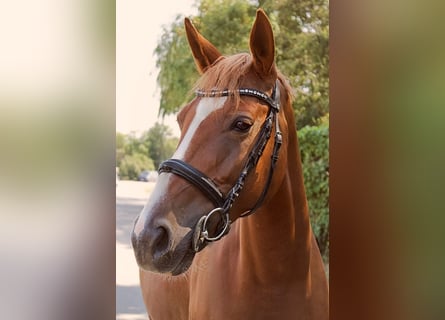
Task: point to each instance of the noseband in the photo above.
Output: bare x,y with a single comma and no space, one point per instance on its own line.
206,185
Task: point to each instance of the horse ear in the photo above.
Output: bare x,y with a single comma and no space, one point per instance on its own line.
262,45
204,53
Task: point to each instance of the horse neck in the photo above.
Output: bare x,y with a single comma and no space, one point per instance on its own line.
280,230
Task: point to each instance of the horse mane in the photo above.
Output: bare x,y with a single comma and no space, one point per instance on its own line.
227,73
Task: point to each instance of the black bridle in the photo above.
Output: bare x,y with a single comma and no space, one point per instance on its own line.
206,185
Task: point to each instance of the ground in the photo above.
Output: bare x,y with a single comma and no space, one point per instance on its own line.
130,199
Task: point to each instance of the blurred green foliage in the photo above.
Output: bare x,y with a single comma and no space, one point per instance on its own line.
314,149
160,143
136,154
132,165
301,31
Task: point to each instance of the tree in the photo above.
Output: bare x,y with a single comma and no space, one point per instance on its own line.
302,44
131,156
133,164
160,143
314,149
136,154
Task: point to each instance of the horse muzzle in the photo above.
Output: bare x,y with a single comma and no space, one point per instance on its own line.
152,247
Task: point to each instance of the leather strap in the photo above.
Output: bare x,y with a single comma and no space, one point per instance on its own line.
195,177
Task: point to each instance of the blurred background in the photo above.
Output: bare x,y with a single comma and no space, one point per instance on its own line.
63,88
57,129
144,137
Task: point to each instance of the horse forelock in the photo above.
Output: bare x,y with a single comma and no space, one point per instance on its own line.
225,73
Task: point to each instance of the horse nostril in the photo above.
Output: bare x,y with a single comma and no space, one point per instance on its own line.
161,242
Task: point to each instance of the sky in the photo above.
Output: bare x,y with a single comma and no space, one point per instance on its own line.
138,28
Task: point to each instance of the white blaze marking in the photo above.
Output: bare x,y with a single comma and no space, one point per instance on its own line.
205,107
159,191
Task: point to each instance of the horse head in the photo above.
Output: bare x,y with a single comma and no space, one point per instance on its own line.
229,146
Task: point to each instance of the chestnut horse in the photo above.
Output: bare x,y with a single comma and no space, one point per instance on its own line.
235,177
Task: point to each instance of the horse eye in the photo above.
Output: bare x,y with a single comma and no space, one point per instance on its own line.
242,125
